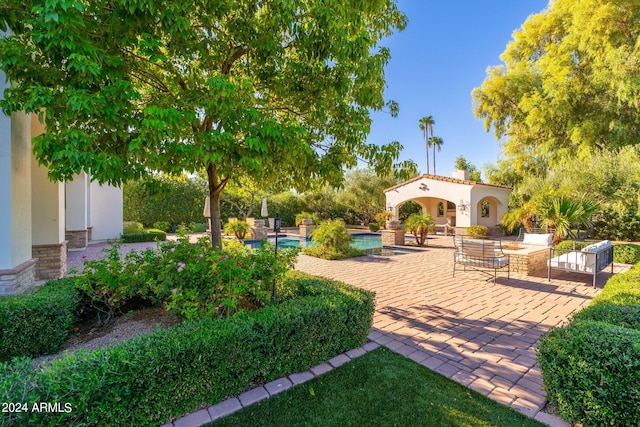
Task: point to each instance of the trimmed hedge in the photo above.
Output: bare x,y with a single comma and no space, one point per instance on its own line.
591,366
148,235
148,380
591,372
37,322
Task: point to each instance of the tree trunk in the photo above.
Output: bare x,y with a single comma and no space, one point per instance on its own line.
215,190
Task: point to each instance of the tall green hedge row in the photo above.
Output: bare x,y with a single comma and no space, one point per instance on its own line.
591,366
37,322
148,380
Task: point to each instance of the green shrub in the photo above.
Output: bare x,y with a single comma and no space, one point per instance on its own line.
383,217
198,362
162,225
626,253
332,234
373,226
591,372
590,367
476,231
333,253
197,227
306,215
37,322
132,227
149,235
237,228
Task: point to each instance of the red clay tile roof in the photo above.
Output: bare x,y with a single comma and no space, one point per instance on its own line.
445,179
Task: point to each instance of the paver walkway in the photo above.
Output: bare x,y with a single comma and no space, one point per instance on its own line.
478,333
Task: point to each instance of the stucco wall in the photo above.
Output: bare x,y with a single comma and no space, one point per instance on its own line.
47,199
106,206
15,187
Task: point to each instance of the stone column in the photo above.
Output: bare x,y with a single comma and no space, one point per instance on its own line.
258,230
306,228
17,267
77,213
106,211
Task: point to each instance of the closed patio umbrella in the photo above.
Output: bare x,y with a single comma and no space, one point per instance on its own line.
264,213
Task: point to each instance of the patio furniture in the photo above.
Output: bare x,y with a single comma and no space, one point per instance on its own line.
536,237
591,259
481,255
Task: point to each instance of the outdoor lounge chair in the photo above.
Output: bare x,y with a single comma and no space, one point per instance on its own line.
481,255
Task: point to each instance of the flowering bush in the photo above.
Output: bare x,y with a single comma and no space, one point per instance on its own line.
193,280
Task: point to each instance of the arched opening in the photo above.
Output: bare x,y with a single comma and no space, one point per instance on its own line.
487,209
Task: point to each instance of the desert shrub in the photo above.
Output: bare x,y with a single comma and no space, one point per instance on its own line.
148,235
162,225
626,253
476,231
237,228
132,227
127,384
373,226
37,322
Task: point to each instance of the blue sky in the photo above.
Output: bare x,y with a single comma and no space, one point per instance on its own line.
435,63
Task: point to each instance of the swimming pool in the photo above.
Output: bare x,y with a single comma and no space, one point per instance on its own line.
371,243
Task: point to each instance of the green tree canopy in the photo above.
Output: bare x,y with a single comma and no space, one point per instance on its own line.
277,91
569,85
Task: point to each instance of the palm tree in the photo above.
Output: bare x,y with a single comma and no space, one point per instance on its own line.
563,213
436,141
420,225
426,126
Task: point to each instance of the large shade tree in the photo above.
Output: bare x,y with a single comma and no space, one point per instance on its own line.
569,85
279,91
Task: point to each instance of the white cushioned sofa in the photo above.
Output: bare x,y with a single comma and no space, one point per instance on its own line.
591,259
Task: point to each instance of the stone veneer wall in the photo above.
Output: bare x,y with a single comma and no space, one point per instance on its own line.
532,263
18,279
52,260
392,237
77,239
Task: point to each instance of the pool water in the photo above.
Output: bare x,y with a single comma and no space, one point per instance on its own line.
371,243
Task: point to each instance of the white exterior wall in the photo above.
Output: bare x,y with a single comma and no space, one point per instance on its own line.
77,214
428,192
106,210
15,187
47,200
423,188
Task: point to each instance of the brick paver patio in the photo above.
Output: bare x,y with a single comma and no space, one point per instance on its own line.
480,334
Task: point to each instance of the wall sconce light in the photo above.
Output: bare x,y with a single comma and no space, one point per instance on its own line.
424,187
462,206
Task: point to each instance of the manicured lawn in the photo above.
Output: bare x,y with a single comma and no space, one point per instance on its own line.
380,388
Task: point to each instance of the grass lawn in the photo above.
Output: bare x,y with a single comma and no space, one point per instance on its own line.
380,388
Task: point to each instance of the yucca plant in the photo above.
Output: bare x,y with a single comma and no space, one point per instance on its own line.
420,225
